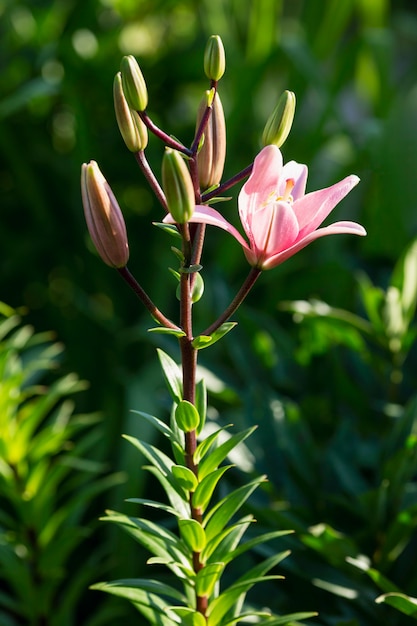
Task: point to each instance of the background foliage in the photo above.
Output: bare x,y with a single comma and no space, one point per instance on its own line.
332,394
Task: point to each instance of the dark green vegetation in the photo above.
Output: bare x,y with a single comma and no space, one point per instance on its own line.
331,387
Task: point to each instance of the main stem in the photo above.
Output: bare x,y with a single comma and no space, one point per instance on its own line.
189,369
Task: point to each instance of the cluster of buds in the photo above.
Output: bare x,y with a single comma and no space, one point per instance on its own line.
186,173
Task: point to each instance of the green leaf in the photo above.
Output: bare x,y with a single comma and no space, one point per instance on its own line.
168,228
193,534
201,405
176,495
167,331
220,546
151,605
192,269
158,540
231,554
207,578
404,277
205,445
185,477
213,460
172,375
400,601
158,423
223,603
186,416
197,288
283,620
134,587
189,617
203,341
155,505
221,513
204,491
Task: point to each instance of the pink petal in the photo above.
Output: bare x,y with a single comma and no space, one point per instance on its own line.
298,172
313,208
338,228
273,228
264,180
206,215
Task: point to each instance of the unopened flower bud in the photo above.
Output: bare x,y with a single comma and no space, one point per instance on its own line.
214,58
178,186
103,216
132,129
134,86
279,123
212,154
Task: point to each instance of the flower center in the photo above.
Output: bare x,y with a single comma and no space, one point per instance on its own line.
286,197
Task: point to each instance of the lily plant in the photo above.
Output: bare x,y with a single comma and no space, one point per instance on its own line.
204,534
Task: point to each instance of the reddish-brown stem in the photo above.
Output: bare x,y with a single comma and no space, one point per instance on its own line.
227,184
143,296
168,141
151,178
236,302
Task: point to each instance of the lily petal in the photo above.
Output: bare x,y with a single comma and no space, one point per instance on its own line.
263,180
312,209
206,215
274,227
338,228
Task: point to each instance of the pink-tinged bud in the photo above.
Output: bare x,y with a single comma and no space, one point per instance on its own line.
132,129
178,186
212,154
280,122
103,216
134,86
214,58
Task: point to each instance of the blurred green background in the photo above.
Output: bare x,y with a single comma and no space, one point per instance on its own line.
353,67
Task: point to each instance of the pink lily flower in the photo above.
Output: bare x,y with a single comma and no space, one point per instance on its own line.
278,218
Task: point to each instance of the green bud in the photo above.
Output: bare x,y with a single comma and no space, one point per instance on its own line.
103,216
279,124
178,186
212,154
214,58
134,86
132,129
186,416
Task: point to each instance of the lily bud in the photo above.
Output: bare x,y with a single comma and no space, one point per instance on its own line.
212,154
214,58
132,129
178,186
134,86
279,123
103,216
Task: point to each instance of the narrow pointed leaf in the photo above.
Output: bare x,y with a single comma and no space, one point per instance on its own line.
201,403
213,460
205,445
400,601
172,375
207,578
162,330
189,617
151,605
223,603
203,341
204,491
193,534
223,511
